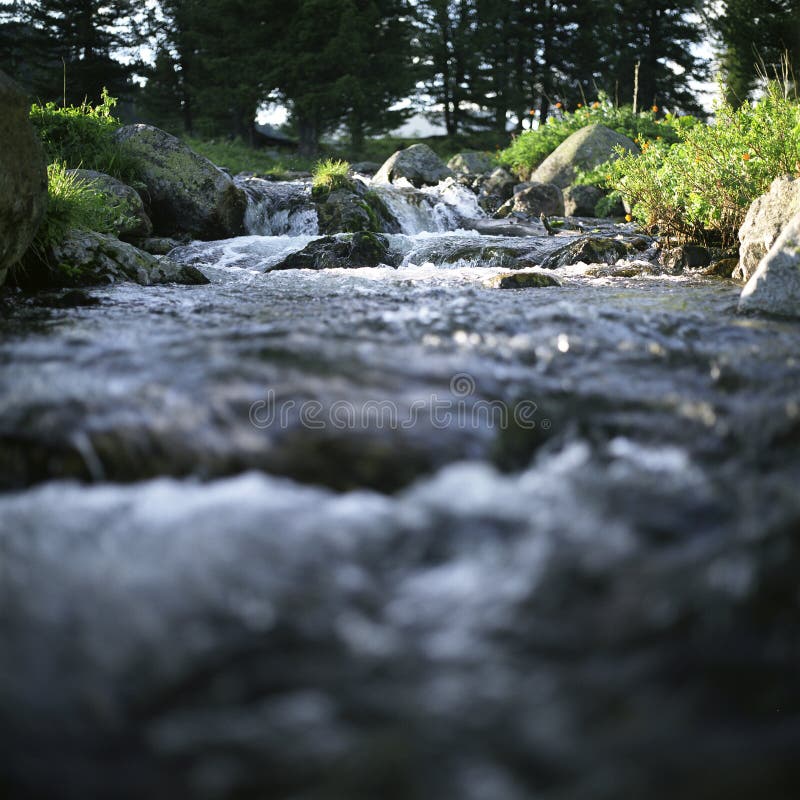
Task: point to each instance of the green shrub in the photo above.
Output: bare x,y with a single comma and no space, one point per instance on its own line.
329,175
530,148
82,136
700,189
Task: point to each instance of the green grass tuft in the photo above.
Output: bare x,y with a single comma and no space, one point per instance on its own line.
73,203
329,175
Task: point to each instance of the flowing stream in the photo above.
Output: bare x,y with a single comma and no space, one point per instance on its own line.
394,533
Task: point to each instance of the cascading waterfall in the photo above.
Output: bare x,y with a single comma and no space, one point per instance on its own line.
278,208
285,208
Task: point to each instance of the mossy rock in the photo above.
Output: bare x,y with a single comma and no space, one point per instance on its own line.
130,219
88,258
184,192
345,251
353,210
521,280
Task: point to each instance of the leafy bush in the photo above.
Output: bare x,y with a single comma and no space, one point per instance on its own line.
72,203
530,148
82,136
700,189
329,175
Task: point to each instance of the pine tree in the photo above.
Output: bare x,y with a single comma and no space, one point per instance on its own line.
658,35
71,48
754,36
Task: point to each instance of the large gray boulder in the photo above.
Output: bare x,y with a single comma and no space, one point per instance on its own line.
184,192
585,149
418,164
88,258
130,219
23,176
471,163
767,216
774,287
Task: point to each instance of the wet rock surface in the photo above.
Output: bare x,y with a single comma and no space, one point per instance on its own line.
345,251
87,258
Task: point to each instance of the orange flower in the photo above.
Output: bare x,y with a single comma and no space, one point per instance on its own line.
531,112
580,105
595,104
558,105
654,109
745,156
628,218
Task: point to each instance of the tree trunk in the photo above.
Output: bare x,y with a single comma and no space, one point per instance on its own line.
308,135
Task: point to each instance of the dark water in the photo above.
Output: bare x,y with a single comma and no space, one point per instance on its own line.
543,544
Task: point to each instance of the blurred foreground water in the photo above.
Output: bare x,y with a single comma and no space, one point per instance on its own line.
543,544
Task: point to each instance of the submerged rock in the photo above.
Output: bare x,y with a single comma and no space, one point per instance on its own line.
185,192
345,251
585,149
418,164
87,258
130,219
590,250
23,176
521,280
774,288
766,218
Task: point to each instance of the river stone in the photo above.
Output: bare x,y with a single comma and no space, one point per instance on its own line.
521,280
418,164
589,250
535,199
130,219
88,258
581,201
585,149
500,182
365,167
686,256
346,251
23,176
185,192
471,163
354,209
774,287
764,222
